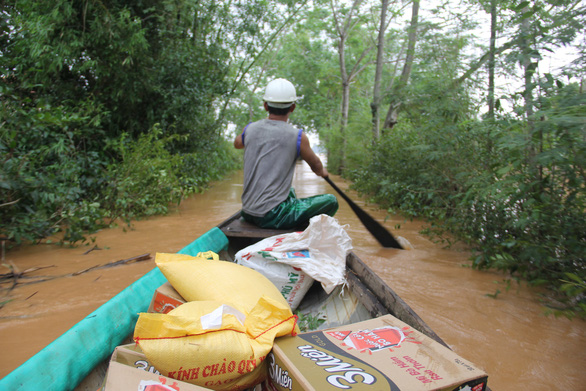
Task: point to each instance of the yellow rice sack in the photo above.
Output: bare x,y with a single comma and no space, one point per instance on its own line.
199,278
214,345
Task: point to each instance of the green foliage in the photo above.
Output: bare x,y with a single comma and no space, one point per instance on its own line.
358,135
47,168
522,213
308,322
144,181
106,111
149,179
511,187
575,288
200,168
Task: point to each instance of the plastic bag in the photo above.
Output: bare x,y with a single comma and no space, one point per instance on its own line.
317,253
214,345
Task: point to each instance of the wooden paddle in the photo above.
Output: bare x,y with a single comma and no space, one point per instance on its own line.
374,227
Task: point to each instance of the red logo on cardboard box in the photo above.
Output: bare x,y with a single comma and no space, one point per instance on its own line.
163,303
373,340
151,385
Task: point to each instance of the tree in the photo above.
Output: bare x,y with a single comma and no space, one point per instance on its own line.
396,94
492,59
345,21
376,99
261,30
80,83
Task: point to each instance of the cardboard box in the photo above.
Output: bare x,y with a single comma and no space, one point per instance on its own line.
165,299
132,355
378,354
128,359
122,377
129,369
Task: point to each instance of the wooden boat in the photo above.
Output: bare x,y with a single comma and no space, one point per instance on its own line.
78,359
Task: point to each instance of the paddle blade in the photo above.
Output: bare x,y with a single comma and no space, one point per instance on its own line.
380,233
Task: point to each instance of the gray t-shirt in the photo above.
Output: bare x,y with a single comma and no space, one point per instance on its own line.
270,151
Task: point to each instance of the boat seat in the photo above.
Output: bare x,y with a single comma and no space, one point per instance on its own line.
236,226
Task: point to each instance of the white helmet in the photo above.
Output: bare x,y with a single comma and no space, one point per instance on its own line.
280,93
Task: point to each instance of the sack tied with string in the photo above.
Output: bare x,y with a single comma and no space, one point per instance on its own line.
220,337
212,344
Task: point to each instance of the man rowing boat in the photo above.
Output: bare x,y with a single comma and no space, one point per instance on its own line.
271,148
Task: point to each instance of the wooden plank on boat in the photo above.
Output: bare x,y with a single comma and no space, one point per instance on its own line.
365,296
236,226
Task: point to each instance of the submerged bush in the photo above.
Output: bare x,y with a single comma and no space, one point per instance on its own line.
54,189
513,193
82,86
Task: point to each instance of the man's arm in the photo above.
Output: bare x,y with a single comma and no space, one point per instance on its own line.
311,158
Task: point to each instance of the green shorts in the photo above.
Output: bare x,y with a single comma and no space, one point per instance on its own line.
295,212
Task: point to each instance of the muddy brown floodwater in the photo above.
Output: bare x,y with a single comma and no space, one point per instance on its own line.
520,348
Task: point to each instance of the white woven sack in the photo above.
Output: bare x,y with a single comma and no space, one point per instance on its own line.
293,261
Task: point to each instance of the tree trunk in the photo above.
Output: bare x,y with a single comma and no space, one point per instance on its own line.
397,96
529,69
491,60
343,30
345,99
528,66
376,99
